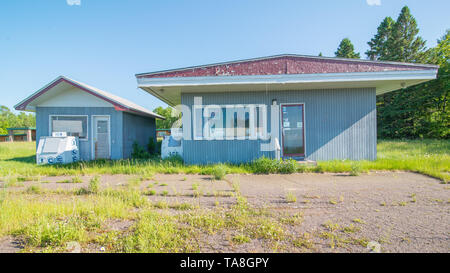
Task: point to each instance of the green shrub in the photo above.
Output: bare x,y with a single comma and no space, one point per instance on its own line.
264,165
174,160
287,166
151,146
219,171
139,152
158,146
94,185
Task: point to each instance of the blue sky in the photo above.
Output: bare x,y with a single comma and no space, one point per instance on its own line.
105,42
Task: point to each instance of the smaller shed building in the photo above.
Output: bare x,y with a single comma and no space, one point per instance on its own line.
105,124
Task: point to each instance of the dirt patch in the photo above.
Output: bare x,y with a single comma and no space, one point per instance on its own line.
118,224
10,244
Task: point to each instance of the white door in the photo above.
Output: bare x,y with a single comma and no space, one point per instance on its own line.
101,137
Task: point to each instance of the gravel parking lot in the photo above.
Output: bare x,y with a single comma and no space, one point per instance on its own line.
401,211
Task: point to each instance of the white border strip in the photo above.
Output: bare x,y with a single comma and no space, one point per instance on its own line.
428,74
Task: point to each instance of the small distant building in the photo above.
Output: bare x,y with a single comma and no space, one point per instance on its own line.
105,124
160,133
19,134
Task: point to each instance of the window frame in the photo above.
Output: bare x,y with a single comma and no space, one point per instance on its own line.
50,125
253,134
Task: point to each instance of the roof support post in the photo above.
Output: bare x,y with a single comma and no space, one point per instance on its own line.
11,135
29,137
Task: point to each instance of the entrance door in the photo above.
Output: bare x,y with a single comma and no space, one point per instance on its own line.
293,129
101,137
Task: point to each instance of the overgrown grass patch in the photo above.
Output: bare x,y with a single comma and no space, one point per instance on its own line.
429,157
19,209
34,189
48,232
155,233
208,221
291,197
219,171
241,239
304,241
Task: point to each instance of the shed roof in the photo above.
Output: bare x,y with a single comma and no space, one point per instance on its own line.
21,128
119,103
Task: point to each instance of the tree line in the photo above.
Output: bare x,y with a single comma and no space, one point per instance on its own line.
8,119
419,111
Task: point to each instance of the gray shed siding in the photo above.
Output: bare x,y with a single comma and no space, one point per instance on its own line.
339,124
137,128
43,123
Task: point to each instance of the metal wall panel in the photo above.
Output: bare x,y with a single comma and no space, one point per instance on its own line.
339,124
42,126
137,128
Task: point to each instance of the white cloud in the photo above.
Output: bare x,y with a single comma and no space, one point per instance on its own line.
373,2
78,2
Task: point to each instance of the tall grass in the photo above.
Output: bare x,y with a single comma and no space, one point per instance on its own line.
20,210
430,157
156,233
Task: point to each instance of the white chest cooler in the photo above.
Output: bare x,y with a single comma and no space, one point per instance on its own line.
170,146
57,150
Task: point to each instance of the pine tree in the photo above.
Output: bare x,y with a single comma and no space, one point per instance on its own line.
346,50
420,110
404,44
378,49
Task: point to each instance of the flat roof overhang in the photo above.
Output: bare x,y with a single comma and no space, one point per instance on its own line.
169,89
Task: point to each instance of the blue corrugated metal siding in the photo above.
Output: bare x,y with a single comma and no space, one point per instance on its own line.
43,123
339,124
137,128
